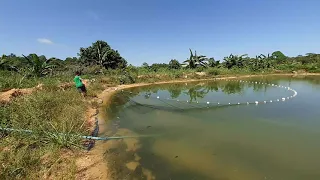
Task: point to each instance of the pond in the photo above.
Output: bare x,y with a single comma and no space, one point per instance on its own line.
196,134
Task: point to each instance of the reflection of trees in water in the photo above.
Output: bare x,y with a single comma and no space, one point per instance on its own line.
262,87
212,86
175,90
315,80
232,88
196,92
174,93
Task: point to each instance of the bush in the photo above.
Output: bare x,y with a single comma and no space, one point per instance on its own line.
200,69
126,78
175,74
213,72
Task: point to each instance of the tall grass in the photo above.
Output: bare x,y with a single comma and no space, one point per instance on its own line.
47,113
10,80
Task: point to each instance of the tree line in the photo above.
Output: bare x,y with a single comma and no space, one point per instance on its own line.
101,56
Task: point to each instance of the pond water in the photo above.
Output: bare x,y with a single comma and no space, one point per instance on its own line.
200,136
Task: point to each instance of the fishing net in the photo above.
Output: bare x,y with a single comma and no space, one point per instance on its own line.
144,102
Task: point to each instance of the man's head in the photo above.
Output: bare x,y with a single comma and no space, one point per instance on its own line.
77,73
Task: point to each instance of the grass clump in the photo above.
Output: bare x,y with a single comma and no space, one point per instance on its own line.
47,113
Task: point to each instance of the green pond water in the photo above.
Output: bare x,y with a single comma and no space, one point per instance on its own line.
277,140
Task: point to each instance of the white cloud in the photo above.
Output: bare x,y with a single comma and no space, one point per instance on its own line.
44,41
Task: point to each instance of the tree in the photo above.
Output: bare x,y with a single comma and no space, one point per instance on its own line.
3,63
234,60
43,58
145,65
100,53
213,63
38,67
279,56
174,64
157,66
313,57
195,61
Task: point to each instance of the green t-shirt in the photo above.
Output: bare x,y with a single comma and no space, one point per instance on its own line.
78,82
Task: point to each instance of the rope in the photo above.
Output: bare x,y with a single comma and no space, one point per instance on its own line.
84,137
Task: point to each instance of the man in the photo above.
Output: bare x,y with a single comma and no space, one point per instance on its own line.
79,84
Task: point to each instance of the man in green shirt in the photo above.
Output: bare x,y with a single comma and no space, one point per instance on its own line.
79,85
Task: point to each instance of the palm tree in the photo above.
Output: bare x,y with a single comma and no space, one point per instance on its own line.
39,67
195,60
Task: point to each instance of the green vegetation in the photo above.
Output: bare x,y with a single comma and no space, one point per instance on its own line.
47,113
56,110
101,60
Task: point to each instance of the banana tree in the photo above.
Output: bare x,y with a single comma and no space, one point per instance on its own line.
39,67
195,61
6,64
196,92
2,63
234,60
265,61
213,63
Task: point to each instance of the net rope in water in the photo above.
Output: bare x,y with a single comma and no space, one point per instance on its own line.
182,105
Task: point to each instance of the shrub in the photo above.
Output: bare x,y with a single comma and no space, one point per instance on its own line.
213,71
126,78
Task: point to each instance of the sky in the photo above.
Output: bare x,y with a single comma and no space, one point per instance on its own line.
156,31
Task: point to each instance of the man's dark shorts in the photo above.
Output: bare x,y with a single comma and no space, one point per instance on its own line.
82,89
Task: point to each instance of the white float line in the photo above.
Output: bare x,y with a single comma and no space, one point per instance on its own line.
256,102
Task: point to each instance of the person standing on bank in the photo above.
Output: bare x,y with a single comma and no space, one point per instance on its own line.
79,84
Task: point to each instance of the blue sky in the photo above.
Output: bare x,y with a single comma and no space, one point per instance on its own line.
159,30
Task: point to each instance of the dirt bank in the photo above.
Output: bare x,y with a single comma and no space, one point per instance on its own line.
94,162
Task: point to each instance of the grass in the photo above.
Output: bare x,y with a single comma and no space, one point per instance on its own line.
34,156
9,80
